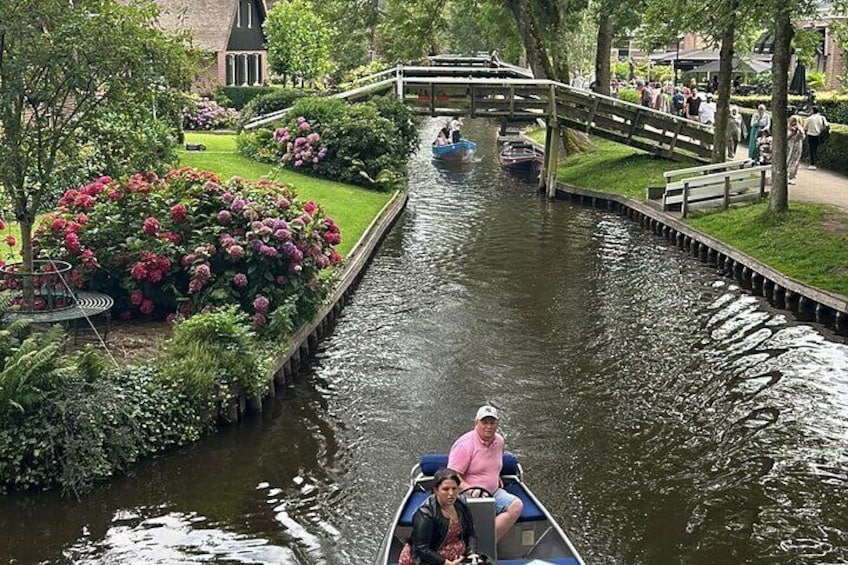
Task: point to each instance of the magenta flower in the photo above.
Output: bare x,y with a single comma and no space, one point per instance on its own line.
236,252
151,226
224,217
259,319
147,307
136,297
178,213
261,304
240,280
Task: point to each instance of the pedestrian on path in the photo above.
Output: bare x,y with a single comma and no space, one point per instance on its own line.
759,121
795,145
814,127
735,131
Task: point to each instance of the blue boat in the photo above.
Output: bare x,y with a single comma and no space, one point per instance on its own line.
536,539
462,150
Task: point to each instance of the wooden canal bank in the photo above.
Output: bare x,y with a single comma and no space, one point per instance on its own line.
807,303
305,342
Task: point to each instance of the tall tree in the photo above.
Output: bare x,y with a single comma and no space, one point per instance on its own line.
353,26
299,40
613,17
62,65
412,29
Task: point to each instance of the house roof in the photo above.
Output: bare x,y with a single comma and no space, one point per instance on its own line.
209,21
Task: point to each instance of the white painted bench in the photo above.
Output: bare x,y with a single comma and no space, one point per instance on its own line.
716,189
670,176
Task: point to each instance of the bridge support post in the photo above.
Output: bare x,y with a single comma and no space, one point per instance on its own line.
551,158
399,78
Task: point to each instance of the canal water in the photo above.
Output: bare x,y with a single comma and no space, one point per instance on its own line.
662,413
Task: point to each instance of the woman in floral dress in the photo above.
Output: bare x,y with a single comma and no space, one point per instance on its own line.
442,528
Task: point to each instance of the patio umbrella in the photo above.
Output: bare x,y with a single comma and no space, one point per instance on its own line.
740,65
798,85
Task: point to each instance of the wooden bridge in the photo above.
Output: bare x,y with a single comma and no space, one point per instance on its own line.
505,93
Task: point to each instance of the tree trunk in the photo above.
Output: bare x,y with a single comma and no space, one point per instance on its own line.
28,265
602,56
537,55
779,200
724,82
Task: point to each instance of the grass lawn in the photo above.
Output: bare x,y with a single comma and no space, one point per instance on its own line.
612,167
351,207
808,243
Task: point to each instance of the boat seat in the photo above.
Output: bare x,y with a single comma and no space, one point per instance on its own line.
529,513
531,510
540,561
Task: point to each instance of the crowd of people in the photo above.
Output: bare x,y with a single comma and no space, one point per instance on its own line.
813,129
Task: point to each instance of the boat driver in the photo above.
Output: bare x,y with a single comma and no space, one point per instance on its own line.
477,457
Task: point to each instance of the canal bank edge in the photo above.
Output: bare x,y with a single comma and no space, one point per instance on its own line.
305,341
806,302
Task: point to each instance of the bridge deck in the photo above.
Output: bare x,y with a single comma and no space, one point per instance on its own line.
502,93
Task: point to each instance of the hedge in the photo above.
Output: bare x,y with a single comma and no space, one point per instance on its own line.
834,106
239,96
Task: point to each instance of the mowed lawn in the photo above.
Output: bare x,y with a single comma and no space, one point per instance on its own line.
353,208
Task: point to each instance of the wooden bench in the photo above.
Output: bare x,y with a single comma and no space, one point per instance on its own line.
673,176
716,189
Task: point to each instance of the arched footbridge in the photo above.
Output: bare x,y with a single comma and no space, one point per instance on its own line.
507,93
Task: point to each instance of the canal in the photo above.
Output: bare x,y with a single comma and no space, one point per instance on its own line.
663,414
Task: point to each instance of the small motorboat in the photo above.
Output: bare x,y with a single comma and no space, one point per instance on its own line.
520,155
535,539
461,151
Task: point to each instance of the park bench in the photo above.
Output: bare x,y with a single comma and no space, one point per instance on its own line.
715,185
88,306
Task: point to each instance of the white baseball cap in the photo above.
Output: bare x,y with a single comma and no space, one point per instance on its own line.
487,412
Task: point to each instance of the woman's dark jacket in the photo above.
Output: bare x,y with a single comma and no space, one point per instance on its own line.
430,528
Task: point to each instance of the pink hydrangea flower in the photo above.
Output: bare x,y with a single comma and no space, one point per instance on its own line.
178,213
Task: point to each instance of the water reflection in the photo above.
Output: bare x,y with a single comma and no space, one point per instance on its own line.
663,414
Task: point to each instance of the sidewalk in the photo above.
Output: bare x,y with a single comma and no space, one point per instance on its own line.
820,186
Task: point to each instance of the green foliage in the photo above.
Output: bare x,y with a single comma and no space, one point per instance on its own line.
816,80
403,120
365,144
412,30
32,366
213,355
298,40
57,85
238,96
88,428
475,26
833,152
629,95
271,100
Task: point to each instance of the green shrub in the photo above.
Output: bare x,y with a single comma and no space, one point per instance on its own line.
32,366
238,96
272,100
833,153
84,431
365,144
629,95
213,355
391,108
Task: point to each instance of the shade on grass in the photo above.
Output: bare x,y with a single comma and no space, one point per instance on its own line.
353,208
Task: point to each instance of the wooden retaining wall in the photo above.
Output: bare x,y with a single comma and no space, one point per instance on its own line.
305,342
807,303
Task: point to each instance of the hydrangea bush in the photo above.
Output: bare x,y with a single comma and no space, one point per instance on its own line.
187,242
206,114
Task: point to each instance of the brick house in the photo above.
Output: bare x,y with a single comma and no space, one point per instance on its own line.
229,35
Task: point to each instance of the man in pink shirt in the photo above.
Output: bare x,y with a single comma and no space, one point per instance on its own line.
477,457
